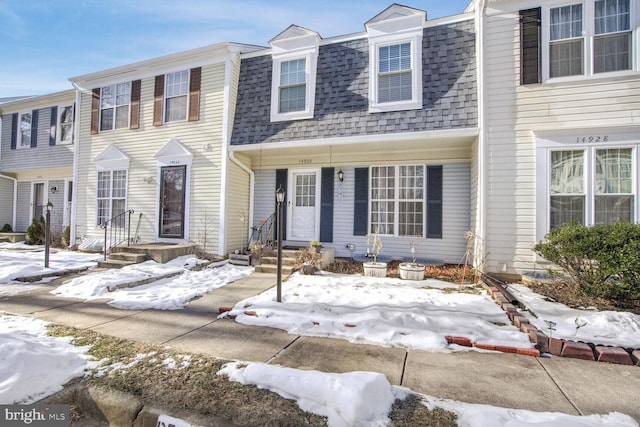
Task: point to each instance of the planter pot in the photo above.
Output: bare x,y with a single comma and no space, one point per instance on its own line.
375,269
411,271
308,269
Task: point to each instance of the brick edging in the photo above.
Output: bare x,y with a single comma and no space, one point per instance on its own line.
559,346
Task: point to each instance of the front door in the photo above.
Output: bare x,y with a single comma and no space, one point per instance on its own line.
304,204
38,202
172,189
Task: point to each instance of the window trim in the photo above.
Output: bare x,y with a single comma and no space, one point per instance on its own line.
397,200
546,145
110,198
414,38
59,140
19,141
311,58
588,37
165,98
114,108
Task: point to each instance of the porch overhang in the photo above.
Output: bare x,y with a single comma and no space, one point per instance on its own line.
453,145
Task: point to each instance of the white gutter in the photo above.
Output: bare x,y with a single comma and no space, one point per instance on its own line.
226,137
15,199
76,151
481,216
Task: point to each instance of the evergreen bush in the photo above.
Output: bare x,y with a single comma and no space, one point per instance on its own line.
35,232
6,228
602,260
66,236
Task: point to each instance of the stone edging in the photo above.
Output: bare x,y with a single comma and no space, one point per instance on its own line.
557,346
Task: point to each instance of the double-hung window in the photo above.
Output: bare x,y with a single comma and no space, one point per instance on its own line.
397,200
114,106
112,196
566,42
612,36
394,73
24,132
176,96
592,186
293,86
65,124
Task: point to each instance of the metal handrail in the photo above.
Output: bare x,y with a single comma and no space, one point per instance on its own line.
264,232
117,233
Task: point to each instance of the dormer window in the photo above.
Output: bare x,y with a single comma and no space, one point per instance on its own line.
293,88
294,53
395,49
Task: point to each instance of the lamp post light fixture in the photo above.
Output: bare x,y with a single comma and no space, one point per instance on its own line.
280,193
47,229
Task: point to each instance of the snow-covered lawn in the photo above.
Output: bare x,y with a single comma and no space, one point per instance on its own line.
385,311
389,312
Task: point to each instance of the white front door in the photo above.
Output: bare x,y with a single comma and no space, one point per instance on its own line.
304,205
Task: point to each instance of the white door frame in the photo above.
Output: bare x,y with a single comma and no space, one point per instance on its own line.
32,201
291,185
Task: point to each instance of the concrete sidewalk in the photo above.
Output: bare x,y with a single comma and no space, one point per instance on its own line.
571,386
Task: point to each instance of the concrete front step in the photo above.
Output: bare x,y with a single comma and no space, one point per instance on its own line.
114,263
273,260
159,252
287,270
135,258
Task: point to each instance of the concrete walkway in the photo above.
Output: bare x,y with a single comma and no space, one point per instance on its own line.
570,386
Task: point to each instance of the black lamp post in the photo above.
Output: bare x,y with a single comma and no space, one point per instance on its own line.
47,228
280,193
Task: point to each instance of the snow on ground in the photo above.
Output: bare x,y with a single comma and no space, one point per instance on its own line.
33,365
171,293
365,398
599,327
21,260
390,312
380,311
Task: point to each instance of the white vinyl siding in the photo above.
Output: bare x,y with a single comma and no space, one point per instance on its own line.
513,114
203,138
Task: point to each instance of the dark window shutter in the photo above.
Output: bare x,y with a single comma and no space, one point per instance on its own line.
73,127
194,94
361,202
158,99
434,202
281,181
53,126
326,205
134,122
95,110
14,131
34,128
530,70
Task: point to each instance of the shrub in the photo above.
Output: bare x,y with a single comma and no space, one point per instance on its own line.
35,232
602,260
66,236
6,228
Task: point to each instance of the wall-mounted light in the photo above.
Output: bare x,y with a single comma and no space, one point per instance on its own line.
340,175
148,179
54,189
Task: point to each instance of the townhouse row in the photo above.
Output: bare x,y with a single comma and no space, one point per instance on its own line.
469,136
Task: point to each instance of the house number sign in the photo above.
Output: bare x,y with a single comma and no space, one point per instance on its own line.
174,162
305,161
591,138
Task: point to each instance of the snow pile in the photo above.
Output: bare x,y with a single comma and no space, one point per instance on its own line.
171,293
32,364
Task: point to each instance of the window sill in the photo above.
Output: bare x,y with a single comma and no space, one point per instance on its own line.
395,106
298,115
579,79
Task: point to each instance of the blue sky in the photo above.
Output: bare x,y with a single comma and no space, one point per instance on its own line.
45,42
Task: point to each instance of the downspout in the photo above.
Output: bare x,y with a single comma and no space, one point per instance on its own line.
224,169
15,200
76,151
481,249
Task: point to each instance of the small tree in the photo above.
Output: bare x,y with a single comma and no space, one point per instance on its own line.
602,260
